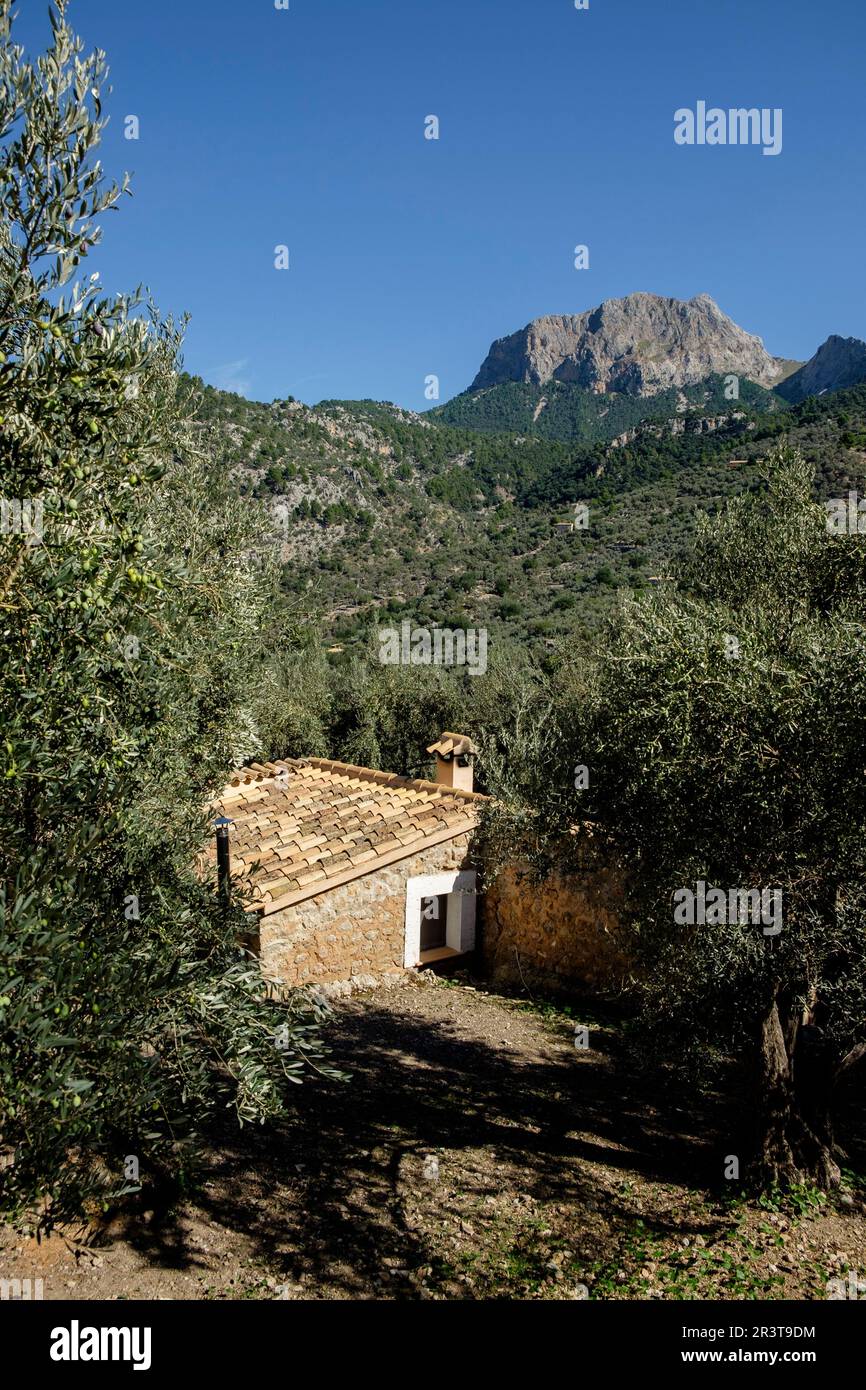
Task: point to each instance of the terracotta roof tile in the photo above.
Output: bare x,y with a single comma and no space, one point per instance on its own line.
302,825
310,876
363,856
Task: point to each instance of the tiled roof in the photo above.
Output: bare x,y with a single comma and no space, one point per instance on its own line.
302,826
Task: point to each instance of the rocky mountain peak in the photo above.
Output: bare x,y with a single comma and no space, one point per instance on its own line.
638,345
839,362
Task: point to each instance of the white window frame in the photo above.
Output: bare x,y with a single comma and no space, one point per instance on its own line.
460,922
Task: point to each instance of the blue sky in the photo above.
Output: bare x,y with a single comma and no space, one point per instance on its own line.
305,127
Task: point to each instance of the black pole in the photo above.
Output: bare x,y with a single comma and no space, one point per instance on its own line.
224,880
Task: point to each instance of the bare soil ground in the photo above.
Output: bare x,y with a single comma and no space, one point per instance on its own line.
476,1153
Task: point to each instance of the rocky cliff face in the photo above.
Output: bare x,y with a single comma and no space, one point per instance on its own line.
838,363
638,345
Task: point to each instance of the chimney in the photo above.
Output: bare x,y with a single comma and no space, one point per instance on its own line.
454,756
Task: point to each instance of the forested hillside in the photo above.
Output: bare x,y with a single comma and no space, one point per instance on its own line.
561,410
384,514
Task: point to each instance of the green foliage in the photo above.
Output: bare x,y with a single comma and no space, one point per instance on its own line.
132,627
385,716
740,771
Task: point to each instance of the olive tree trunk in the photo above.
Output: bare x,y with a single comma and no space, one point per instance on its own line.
795,1136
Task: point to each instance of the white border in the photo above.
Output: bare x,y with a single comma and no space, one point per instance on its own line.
460,925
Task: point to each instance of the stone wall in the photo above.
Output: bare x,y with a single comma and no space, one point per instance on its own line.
558,936
352,936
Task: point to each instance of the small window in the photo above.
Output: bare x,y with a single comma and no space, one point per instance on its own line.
440,917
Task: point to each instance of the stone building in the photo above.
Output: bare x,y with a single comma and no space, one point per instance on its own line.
354,876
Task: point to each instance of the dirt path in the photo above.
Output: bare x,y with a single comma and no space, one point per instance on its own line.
475,1153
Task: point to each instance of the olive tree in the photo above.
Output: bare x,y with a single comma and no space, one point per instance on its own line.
131,615
713,748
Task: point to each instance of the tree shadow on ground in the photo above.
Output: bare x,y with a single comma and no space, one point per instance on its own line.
333,1193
